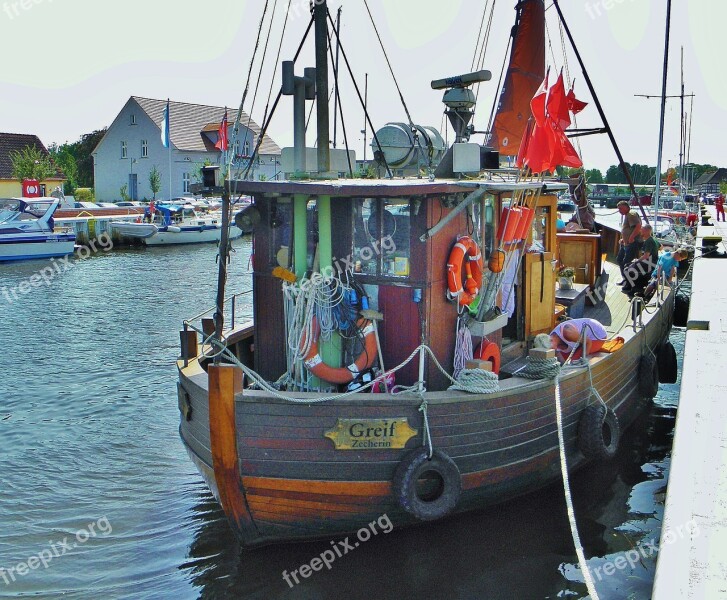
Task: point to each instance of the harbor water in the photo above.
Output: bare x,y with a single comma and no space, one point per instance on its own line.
100,500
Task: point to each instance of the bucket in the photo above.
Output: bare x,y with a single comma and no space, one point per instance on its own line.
509,223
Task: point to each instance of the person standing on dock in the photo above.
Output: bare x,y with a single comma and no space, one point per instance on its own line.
719,205
630,237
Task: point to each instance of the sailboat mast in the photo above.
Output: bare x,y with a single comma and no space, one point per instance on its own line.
597,102
663,107
320,15
682,135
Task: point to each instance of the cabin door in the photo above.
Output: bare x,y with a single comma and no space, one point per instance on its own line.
539,292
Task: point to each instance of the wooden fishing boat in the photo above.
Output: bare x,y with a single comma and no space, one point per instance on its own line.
291,456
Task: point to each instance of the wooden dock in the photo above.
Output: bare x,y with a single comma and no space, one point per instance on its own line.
692,559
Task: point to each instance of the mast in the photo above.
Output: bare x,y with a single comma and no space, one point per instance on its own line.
663,108
525,73
597,102
320,13
682,134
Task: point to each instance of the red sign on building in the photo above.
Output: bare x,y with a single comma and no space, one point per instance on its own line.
31,188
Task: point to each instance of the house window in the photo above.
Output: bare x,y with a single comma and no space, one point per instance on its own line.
185,182
132,119
246,150
144,149
236,149
123,149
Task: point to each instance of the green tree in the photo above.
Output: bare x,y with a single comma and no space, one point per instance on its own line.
594,176
63,158
155,181
124,193
31,163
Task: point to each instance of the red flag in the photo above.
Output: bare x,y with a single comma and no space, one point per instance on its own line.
537,104
564,154
222,134
574,104
524,143
557,104
539,152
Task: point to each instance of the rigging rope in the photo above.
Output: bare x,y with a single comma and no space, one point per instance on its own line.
238,118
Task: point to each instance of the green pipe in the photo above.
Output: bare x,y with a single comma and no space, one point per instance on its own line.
300,235
330,351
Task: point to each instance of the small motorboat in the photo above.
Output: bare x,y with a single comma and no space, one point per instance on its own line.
27,230
136,230
184,225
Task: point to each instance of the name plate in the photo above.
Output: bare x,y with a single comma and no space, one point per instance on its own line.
371,434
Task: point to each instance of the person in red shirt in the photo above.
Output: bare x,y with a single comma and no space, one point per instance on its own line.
719,205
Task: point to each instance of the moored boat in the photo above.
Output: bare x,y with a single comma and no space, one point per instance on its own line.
177,224
392,277
27,230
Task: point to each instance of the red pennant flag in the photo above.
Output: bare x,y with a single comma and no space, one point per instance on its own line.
540,149
222,134
557,104
524,143
537,104
574,104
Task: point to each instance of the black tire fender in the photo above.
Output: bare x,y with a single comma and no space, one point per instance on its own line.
598,432
666,358
648,376
441,470
681,310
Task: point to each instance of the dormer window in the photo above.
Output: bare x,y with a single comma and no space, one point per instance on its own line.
132,119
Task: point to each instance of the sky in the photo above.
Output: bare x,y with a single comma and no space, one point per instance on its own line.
70,65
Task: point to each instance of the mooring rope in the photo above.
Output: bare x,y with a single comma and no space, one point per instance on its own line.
540,368
476,381
569,499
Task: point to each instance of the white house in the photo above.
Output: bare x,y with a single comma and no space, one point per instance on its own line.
132,147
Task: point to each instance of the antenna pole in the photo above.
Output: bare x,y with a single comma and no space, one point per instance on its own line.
663,107
597,102
366,101
335,72
320,13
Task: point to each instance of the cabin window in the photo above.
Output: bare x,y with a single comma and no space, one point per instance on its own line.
123,149
381,237
144,149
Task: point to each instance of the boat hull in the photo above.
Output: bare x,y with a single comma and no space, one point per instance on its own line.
45,246
295,484
189,235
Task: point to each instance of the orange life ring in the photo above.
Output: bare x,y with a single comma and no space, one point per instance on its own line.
314,363
466,290
489,351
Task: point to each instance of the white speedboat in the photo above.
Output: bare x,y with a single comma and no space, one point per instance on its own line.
185,225
27,230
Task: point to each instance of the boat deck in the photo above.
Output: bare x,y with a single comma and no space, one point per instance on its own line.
615,311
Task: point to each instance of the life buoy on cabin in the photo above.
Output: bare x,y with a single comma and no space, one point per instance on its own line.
488,351
598,432
465,290
314,363
427,488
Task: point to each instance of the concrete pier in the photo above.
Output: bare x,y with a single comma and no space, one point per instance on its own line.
692,559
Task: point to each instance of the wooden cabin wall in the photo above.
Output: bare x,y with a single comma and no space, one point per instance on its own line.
441,313
270,339
400,331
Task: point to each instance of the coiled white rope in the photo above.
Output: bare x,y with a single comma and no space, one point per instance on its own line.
569,500
540,368
476,381
462,348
